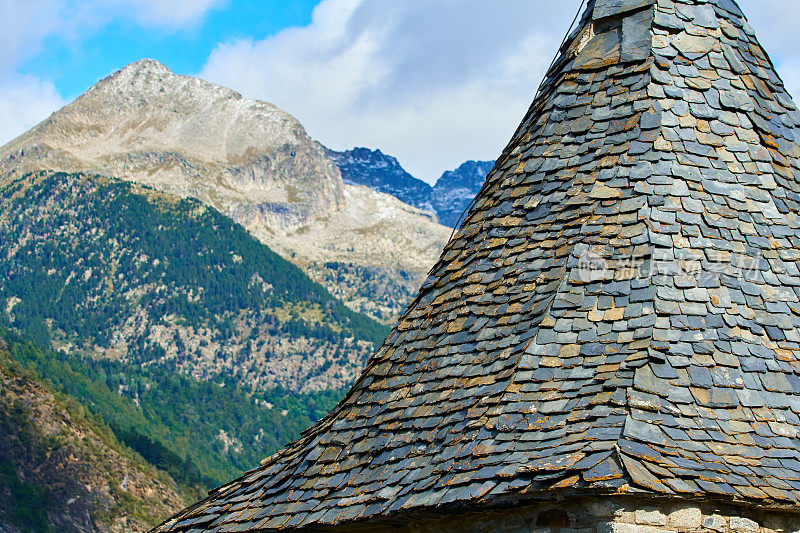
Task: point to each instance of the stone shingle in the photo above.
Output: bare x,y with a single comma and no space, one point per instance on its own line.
618,309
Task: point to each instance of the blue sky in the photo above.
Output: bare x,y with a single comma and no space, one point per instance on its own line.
433,82
73,64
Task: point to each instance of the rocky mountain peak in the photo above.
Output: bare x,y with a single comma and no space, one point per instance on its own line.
148,78
367,156
146,106
469,175
452,193
143,67
188,137
381,172
248,159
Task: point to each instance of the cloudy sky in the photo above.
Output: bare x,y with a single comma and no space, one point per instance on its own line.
433,82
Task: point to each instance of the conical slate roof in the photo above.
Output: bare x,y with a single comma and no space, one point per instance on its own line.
620,310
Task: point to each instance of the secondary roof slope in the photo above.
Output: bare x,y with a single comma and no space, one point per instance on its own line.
619,311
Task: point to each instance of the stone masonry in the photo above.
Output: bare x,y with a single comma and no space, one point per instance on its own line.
586,515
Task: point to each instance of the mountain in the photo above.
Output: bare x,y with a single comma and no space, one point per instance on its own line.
137,228
125,273
455,190
383,173
62,470
451,195
248,160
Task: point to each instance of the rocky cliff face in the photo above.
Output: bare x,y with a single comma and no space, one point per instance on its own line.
247,159
451,195
381,172
455,190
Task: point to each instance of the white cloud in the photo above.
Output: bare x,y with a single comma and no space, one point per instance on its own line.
434,82
775,23
24,102
33,21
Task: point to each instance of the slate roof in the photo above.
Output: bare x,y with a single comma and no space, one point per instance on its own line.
620,310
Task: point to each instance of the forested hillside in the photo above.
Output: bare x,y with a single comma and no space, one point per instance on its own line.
189,347
62,470
105,267
202,433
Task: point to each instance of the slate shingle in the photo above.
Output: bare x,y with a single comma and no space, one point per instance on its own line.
619,307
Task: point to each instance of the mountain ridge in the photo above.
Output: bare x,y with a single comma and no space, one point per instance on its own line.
249,160
447,198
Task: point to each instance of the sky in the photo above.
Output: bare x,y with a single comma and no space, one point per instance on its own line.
432,82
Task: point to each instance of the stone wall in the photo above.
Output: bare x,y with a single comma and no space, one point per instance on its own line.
607,515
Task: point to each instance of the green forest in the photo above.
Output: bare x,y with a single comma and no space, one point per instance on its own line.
175,422
27,504
95,265
80,246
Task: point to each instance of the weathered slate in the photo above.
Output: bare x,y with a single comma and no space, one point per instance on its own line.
619,311
613,8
